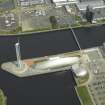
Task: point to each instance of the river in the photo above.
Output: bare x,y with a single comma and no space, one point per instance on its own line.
48,89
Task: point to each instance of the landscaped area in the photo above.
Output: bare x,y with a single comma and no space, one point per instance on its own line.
84,95
2,98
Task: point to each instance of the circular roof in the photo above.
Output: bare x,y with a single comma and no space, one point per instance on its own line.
79,71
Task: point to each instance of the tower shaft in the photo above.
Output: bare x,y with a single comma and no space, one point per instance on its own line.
18,54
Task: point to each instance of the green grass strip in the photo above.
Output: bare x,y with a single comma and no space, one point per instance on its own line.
84,95
2,98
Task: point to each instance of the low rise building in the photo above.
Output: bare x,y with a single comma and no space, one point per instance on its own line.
60,3
82,4
29,2
96,6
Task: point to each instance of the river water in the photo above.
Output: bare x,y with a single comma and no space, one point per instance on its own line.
48,89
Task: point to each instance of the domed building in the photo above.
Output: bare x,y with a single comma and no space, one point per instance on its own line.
79,71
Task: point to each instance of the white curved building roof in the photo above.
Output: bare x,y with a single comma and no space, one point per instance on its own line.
79,71
58,62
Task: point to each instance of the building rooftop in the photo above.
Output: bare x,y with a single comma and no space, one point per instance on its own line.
93,3
64,0
60,3
29,2
79,71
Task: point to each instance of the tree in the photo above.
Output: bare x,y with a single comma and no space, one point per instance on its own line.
89,14
53,22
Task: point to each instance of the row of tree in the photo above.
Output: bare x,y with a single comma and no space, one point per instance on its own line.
89,14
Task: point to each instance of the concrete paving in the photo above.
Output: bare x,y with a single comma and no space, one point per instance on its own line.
96,85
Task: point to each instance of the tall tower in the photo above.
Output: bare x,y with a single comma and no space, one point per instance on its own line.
18,54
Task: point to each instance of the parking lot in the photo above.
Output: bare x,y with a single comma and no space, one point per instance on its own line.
97,89
99,13
38,18
7,4
62,15
35,21
96,85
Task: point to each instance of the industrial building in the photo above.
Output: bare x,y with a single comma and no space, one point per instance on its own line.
29,2
60,3
82,4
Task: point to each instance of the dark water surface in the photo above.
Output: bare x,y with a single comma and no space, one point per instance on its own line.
50,89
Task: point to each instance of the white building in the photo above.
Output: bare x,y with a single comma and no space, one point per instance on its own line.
79,71
29,2
82,4
60,3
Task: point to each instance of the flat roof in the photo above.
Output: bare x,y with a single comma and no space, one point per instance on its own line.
63,1
37,1
93,4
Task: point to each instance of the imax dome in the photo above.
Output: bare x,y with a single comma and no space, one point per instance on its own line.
79,71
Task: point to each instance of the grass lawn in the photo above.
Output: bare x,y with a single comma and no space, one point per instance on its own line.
2,98
84,95
3,1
